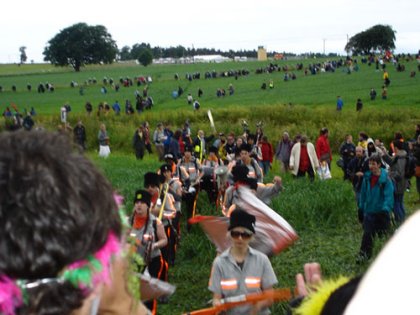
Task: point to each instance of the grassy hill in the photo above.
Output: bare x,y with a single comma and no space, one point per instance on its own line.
303,105
309,90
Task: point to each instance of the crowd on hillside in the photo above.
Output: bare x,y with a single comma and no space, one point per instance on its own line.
77,242
232,170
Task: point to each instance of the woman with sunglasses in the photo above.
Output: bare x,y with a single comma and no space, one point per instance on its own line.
241,269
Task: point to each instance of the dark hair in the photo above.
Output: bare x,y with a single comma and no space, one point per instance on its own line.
245,147
375,157
363,135
55,208
398,144
324,130
177,134
398,135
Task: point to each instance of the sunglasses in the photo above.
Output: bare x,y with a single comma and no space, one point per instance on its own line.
243,235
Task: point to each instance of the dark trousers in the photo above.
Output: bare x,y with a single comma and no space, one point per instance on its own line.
140,153
310,172
374,224
169,251
399,210
148,147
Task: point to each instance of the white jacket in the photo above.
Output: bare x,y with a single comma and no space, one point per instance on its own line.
295,157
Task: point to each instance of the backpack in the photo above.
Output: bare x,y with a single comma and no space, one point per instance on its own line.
410,166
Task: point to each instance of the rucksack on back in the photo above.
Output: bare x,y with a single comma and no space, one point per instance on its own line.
410,166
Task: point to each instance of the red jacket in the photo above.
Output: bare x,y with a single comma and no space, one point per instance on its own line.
323,148
267,151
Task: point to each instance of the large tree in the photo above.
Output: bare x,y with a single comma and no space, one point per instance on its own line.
125,53
377,38
23,56
146,57
79,45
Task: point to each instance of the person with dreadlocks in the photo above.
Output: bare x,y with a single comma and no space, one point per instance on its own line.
60,232
150,238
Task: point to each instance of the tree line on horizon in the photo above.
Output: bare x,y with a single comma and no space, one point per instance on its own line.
81,44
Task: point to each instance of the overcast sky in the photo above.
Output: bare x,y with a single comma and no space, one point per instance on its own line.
293,26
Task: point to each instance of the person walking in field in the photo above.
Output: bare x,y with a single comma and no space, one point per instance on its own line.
372,94
359,105
384,92
340,103
376,202
139,142
79,133
266,154
103,138
283,150
303,159
241,269
323,149
159,138
150,239
397,166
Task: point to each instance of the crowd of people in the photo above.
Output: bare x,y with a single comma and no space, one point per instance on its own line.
380,177
225,168
63,252
219,165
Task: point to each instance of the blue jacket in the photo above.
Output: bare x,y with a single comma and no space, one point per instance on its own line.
380,197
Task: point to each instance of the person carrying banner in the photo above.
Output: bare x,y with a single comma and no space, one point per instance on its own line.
150,238
189,170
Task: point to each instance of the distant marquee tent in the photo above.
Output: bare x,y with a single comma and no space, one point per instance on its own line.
198,58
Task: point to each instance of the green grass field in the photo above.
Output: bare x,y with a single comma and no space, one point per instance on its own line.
323,213
309,90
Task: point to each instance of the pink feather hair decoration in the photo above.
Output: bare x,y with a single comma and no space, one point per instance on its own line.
10,296
11,292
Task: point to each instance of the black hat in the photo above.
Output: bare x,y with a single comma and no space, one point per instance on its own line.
240,172
241,218
143,196
165,168
152,179
213,149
